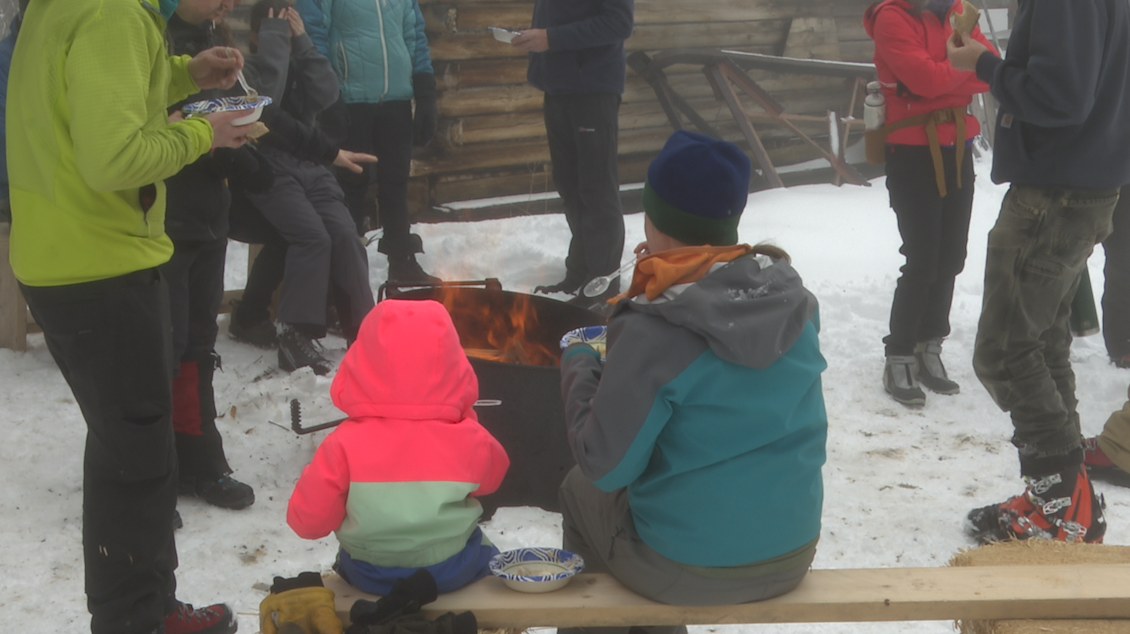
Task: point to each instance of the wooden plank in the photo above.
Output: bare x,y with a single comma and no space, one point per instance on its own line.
13,310
1082,591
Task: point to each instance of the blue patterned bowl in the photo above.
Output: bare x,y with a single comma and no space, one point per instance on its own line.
227,104
536,569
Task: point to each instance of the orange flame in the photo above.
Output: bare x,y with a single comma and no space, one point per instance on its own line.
497,327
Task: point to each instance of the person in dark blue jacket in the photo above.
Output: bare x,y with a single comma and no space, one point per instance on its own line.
7,45
577,59
700,440
1063,142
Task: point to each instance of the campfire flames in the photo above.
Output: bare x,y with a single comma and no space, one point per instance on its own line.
502,330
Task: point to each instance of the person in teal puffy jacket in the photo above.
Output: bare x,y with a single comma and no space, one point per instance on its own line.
380,53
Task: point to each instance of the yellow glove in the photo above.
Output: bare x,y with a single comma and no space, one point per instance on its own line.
311,608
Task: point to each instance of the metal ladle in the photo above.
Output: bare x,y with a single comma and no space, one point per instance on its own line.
598,285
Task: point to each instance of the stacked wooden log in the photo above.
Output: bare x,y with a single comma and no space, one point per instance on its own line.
491,140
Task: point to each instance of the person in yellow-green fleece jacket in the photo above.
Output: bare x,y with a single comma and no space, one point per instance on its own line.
89,146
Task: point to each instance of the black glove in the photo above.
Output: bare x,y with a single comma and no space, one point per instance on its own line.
427,112
245,168
406,597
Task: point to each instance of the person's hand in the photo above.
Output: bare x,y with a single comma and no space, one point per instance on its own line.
641,249
216,67
595,337
963,52
224,134
349,160
297,27
531,41
304,602
176,116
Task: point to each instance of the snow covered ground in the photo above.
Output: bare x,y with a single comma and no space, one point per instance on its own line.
898,481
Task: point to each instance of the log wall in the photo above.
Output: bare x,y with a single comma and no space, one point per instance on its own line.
492,141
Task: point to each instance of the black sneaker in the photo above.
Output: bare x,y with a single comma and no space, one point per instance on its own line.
406,271
567,285
931,373
214,619
296,350
223,491
901,381
1060,506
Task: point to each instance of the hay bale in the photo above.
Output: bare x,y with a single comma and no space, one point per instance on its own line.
1042,552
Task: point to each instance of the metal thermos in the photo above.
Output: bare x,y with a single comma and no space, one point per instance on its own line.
874,107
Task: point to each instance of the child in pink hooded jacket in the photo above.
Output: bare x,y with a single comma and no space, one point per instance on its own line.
397,480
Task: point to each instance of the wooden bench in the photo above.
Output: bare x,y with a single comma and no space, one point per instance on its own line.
1076,591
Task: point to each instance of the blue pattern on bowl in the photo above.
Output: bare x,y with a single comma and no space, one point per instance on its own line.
225,104
571,563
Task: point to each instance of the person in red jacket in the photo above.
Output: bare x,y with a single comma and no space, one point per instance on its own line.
930,181
398,479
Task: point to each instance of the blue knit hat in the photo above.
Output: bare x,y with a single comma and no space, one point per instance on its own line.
696,189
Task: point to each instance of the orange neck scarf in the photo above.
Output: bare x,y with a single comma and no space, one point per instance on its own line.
657,272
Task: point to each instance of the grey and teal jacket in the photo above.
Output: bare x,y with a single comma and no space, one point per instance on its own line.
709,410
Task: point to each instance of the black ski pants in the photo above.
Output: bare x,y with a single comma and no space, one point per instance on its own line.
385,130
195,275
111,340
1116,287
934,232
582,130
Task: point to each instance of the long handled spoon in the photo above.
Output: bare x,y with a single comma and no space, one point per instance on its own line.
598,285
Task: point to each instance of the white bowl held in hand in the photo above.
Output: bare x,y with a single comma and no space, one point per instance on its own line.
536,569
254,104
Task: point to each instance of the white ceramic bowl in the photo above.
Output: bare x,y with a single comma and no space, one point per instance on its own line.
226,104
536,569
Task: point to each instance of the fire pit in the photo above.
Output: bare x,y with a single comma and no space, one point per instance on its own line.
512,340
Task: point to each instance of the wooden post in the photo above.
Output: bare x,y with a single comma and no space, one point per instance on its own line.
13,310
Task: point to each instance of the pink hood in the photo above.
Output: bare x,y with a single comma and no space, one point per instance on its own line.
406,363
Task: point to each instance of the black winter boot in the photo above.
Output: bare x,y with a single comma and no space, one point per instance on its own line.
296,350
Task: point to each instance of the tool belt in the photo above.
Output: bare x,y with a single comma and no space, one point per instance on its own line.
875,140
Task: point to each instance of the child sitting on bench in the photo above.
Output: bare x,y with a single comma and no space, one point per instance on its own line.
700,440
397,480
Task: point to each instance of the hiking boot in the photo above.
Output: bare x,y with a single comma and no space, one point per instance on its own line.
931,373
1060,506
1100,467
214,619
406,271
900,381
222,491
296,350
